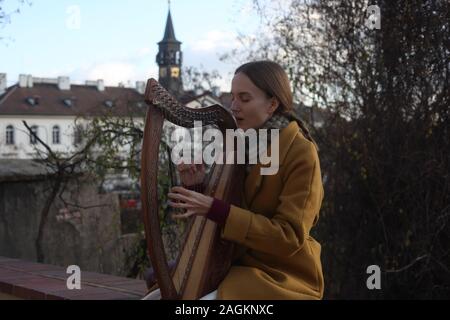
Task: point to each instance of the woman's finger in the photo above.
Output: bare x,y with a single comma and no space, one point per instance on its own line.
177,196
181,205
183,216
182,167
182,191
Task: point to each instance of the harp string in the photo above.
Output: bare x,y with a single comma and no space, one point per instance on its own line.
179,280
185,225
175,181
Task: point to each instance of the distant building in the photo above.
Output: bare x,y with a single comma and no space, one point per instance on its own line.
169,60
50,106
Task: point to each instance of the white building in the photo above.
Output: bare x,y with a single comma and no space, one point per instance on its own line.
51,106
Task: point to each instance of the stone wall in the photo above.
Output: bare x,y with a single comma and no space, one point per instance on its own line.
88,236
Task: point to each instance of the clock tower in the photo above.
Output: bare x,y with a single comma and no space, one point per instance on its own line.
169,60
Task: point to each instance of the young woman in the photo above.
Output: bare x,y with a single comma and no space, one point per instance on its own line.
279,259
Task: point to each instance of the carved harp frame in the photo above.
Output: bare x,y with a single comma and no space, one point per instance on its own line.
201,265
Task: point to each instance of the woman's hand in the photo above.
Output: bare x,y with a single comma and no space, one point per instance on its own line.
191,174
193,202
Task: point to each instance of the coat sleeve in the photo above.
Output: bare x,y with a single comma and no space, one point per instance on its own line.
298,207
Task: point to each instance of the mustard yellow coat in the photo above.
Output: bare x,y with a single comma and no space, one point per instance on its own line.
278,258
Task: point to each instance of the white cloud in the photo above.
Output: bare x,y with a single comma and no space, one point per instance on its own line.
145,52
137,65
215,40
225,83
113,72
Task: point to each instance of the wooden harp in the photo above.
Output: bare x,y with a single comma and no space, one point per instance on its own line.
205,258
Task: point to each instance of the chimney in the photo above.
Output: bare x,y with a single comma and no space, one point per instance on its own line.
2,83
140,87
63,83
100,85
23,80
29,81
216,91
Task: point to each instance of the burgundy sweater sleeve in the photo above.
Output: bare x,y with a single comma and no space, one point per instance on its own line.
219,212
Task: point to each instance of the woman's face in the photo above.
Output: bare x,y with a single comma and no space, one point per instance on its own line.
250,105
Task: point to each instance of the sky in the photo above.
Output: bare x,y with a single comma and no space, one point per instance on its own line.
117,40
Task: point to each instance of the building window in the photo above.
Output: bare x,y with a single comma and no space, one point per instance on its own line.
109,103
10,135
78,135
56,135
34,129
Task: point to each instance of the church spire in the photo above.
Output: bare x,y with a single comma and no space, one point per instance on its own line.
170,59
169,34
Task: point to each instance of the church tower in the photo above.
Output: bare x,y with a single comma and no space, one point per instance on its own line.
169,60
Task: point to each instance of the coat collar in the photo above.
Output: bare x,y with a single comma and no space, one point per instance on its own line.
254,178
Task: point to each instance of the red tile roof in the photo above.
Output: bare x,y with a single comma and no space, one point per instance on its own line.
85,100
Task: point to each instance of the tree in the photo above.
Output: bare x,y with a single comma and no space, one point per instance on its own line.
5,16
109,143
200,79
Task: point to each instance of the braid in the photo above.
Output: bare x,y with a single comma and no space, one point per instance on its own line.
303,127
